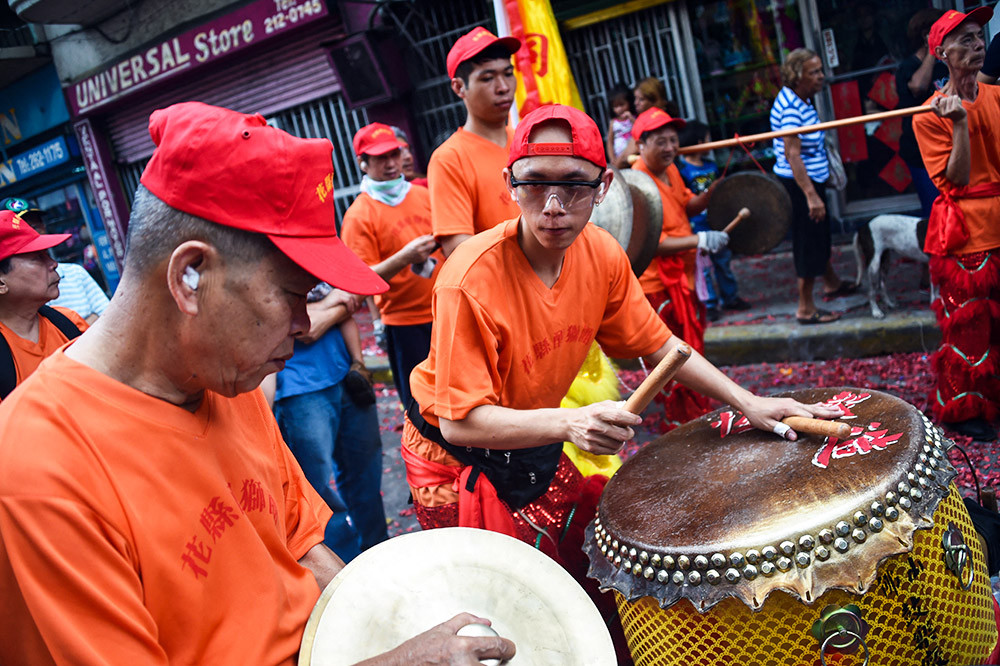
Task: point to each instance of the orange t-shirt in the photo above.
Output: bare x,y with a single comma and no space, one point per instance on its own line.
501,337
934,138
375,231
675,197
27,354
465,177
136,532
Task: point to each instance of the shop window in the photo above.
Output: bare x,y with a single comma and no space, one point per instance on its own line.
864,43
740,45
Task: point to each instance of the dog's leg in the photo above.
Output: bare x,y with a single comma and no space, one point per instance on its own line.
874,283
883,280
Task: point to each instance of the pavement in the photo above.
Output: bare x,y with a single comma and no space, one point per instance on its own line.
763,348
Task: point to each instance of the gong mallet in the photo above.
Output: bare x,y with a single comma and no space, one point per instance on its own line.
820,427
658,378
740,216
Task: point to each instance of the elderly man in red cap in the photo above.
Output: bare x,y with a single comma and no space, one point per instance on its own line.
463,175
483,439
960,147
28,280
669,281
149,511
389,227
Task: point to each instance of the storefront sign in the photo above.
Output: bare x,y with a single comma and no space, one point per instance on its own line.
38,159
107,194
106,257
224,36
830,49
32,105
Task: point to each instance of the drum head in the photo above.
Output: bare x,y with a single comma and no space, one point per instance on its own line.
408,584
632,213
770,211
717,509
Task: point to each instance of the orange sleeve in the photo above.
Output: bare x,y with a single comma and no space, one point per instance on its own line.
934,139
84,609
452,209
465,341
306,514
630,327
358,233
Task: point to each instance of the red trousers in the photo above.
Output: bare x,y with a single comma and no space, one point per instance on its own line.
967,363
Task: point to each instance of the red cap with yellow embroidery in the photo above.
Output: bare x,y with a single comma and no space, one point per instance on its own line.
951,20
17,236
233,169
654,119
475,42
587,141
375,139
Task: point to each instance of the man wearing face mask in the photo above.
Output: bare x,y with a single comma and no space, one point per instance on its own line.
389,227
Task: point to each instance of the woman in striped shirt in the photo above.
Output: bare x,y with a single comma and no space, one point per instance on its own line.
803,168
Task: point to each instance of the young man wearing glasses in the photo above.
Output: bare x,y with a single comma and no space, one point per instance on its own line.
516,309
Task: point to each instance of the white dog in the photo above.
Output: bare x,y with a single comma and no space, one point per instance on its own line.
904,234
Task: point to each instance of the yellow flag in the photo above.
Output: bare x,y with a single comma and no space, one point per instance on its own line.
541,65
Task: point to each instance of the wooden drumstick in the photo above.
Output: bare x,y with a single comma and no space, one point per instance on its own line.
818,427
658,378
740,216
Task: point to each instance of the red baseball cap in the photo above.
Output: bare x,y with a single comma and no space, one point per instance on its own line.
233,169
653,119
375,139
587,140
475,42
951,20
17,236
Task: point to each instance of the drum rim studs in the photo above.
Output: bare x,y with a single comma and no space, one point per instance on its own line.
643,557
713,577
752,556
876,524
806,543
767,568
826,535
669,563
626,565
700,562
678,578
694,578
787,547
822,553
877,509
916,495
656,560
770,553
841,545
636,569
683,562
632,554
891,498
750,572
859,535
802,560
904,502
737,560
732,575
892,513
860,519
718,560
662,576
783,564
842,528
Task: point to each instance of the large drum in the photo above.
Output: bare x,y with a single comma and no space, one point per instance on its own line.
408,584
727,545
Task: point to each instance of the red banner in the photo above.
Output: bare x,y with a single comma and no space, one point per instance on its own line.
847,104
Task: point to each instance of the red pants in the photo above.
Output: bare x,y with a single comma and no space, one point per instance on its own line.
684,315
968,312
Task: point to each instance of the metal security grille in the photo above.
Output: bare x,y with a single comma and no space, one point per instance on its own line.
327,117
626,50
437,111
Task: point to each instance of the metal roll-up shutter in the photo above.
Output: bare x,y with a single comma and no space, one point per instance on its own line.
278,77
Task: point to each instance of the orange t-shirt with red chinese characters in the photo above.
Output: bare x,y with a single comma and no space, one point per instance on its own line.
27,354
501,337
133,531
934,138
375,231
675,197
465,179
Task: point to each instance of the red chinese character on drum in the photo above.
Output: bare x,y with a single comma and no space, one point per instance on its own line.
863,441
844,401
731,422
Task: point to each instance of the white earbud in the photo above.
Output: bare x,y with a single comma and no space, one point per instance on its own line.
364,164
513,196
191,278
600,190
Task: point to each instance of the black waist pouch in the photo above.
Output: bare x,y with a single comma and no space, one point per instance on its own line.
520,476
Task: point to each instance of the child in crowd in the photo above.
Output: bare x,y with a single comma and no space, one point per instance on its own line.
699,173
622,117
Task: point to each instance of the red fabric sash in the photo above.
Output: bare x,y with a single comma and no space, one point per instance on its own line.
479,507
946,230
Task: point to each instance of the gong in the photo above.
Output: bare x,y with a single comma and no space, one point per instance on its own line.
633,214
770,211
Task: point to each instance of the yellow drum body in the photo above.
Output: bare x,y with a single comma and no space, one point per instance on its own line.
917,614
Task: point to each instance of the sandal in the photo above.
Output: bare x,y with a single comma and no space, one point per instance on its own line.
819,317
845,289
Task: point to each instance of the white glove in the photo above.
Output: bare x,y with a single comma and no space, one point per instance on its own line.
712,241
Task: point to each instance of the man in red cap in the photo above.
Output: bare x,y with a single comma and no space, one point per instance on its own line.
959,146
463,175
669,281
28,280
149,511
516,310
389,227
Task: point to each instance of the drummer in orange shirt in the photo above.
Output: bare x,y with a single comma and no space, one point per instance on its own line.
463,175
389,227
28,280
669,281
515,311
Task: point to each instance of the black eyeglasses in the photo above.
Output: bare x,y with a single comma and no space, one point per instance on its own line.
570,193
